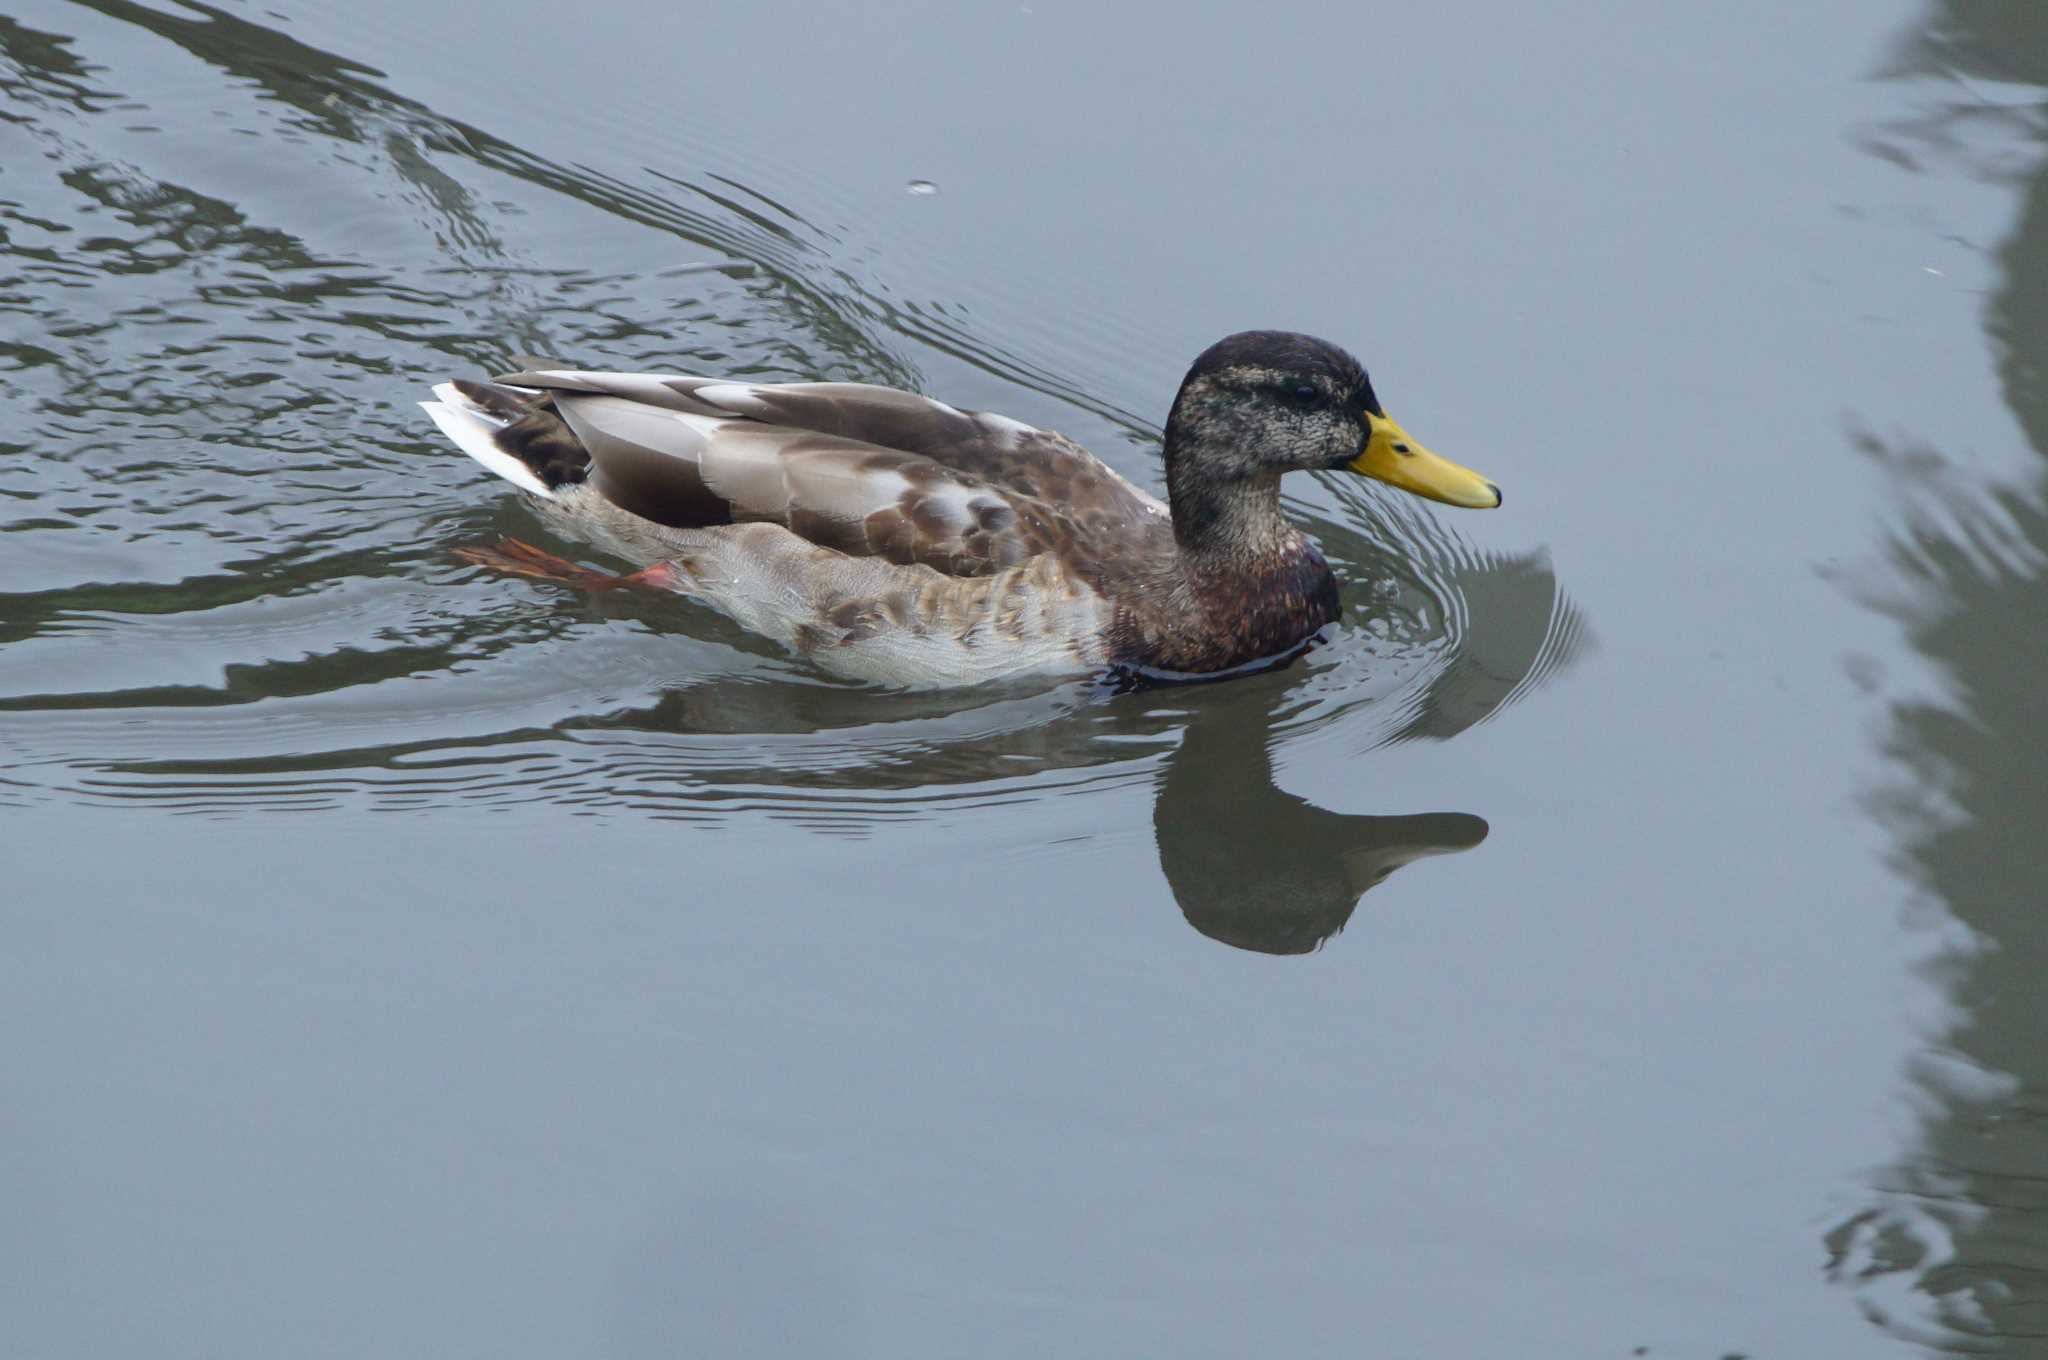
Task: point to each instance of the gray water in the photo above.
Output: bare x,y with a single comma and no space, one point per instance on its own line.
1624,937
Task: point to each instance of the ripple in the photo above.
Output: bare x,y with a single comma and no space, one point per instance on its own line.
227,533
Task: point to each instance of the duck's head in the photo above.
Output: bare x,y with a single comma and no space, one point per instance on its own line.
1260,403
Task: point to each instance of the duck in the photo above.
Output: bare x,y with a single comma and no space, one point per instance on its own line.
890,537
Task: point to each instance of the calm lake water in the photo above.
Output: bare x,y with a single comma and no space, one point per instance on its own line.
1626,937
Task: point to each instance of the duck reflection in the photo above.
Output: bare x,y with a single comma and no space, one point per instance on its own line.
1258,868
1249,864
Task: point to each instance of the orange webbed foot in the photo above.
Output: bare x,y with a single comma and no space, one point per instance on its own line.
523,559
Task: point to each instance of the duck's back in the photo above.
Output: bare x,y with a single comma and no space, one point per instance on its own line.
863,470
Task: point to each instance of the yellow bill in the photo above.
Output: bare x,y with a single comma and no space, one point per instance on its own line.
1397,460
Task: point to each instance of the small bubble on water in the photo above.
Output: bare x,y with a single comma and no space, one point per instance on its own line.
1386,588
923,188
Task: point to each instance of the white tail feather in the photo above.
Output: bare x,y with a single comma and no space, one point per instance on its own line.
472,430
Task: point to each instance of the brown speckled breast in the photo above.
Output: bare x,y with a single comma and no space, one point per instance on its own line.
1197,621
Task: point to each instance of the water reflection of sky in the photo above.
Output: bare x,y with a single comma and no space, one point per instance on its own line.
1952,1247
589,976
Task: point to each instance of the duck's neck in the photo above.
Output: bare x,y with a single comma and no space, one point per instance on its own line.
1248,584
1230,526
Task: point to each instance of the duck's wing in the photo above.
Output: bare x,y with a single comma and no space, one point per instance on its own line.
866,470
1024,458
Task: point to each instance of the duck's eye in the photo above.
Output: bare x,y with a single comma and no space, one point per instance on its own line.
1303,395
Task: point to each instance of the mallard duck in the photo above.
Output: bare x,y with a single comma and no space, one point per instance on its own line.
891,537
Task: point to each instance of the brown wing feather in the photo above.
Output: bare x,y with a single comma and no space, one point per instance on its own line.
868,471
687,471
1038,463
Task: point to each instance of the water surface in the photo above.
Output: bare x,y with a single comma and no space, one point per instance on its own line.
1620,937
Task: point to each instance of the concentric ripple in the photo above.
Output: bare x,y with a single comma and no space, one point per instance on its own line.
225,534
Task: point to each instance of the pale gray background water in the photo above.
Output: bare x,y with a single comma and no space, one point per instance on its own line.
400,961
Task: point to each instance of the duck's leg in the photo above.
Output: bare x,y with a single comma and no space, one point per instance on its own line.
523,559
